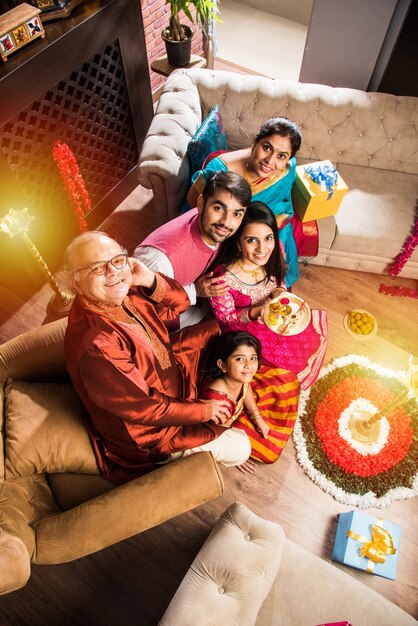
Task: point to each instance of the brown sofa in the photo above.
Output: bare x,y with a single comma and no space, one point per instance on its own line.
54,505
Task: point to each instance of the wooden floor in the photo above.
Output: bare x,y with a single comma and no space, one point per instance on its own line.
133,581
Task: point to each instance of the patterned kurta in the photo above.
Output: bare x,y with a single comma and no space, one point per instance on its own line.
302,354
137,383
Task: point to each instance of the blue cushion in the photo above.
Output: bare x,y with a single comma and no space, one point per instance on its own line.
209,138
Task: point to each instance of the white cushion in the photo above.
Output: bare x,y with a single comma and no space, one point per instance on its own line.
231,575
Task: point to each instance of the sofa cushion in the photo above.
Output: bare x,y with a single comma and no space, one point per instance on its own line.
308,590
378,212
232,573
210,137
45,430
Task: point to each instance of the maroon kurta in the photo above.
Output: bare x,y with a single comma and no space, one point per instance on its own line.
139,388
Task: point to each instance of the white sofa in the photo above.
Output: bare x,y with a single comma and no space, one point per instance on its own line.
247,573
372,139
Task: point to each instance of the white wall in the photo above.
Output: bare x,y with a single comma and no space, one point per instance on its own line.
344,41
258,41
295,10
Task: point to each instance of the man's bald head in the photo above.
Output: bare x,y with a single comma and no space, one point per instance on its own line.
74,249
98,267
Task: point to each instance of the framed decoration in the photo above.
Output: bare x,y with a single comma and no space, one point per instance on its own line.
20,35
45,4
55,9
6,44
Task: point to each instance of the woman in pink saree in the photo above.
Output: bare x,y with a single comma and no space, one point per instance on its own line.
251,263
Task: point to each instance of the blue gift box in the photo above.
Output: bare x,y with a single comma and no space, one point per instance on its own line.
347,550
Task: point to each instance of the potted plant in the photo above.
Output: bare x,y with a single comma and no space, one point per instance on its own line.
178,36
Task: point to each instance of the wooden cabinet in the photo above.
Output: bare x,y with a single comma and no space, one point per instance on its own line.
87,85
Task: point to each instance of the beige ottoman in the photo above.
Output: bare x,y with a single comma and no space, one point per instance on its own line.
231,575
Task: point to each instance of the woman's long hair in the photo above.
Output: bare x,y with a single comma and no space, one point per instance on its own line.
256,213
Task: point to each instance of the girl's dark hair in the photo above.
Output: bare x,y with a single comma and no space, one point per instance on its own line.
283,127
224,345
256,213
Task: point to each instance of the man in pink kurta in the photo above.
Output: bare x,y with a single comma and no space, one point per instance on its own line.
185,247
138,384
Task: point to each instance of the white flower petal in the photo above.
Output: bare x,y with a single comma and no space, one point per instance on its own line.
369,499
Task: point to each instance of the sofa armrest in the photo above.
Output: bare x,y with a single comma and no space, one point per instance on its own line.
163,165
128,509
17,539
14,563
37,354
330,593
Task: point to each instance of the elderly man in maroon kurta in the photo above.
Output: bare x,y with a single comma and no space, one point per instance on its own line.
137,383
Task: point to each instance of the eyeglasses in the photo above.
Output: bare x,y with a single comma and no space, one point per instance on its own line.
118,262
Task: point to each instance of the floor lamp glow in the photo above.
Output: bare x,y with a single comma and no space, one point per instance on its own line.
17,223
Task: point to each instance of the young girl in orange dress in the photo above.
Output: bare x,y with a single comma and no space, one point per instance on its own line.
263,402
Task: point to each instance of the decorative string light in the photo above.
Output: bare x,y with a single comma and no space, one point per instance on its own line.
73,182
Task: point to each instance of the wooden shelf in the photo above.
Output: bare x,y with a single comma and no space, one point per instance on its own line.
163,67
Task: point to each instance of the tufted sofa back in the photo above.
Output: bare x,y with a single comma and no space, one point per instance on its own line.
347,126
344,125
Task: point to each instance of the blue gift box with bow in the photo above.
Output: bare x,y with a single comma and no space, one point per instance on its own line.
368,543
318,190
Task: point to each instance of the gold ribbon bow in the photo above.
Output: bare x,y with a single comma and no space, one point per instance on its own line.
378,547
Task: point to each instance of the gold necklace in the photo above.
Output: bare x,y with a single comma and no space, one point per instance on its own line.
259,180
252,272
246,175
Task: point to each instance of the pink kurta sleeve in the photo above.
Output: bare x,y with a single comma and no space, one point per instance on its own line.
224,307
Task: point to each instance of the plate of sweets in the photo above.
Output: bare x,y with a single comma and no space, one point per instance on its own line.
286,314
360,324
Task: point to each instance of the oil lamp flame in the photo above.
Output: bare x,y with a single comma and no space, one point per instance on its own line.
412,377
16,222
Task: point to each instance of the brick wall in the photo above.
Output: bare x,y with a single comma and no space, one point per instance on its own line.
155,14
